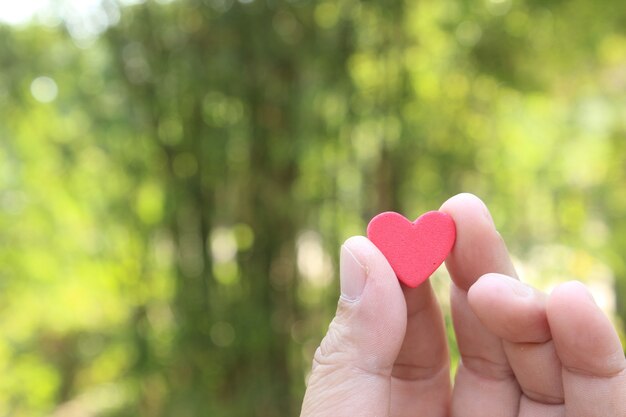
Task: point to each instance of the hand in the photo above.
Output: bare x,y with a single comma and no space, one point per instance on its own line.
523,353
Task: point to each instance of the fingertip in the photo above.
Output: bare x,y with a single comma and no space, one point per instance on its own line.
567,291
584,337
498,284
365,251
381,280
357,244
462,203
482,290
460,196
372,260
479,248
488,280
573,300
509,308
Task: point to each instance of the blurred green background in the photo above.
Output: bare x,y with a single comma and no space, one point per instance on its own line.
176,178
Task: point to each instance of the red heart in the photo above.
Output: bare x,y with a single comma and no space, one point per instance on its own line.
414,249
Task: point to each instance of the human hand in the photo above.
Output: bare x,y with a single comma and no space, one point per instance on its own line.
523,353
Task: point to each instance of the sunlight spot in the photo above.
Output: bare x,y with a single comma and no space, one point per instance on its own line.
44,89
314,263
223,245
499,7
20,12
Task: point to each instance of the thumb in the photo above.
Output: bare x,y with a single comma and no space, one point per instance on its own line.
352,367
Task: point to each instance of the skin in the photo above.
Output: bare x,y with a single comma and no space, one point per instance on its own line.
523,353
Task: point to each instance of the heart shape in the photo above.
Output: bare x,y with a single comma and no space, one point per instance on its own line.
413,249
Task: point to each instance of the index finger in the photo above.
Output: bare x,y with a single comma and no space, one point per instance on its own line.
484,367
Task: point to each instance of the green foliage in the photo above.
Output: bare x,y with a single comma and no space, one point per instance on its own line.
172,195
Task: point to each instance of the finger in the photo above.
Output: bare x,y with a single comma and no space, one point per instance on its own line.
421,374
594,368
479,248
485,384
352,367
516,313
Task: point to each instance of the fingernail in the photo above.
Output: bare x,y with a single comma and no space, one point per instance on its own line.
517,287
520,289
586,291
352,275
487,214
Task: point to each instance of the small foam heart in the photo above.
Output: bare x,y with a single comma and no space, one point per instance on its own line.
413,249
